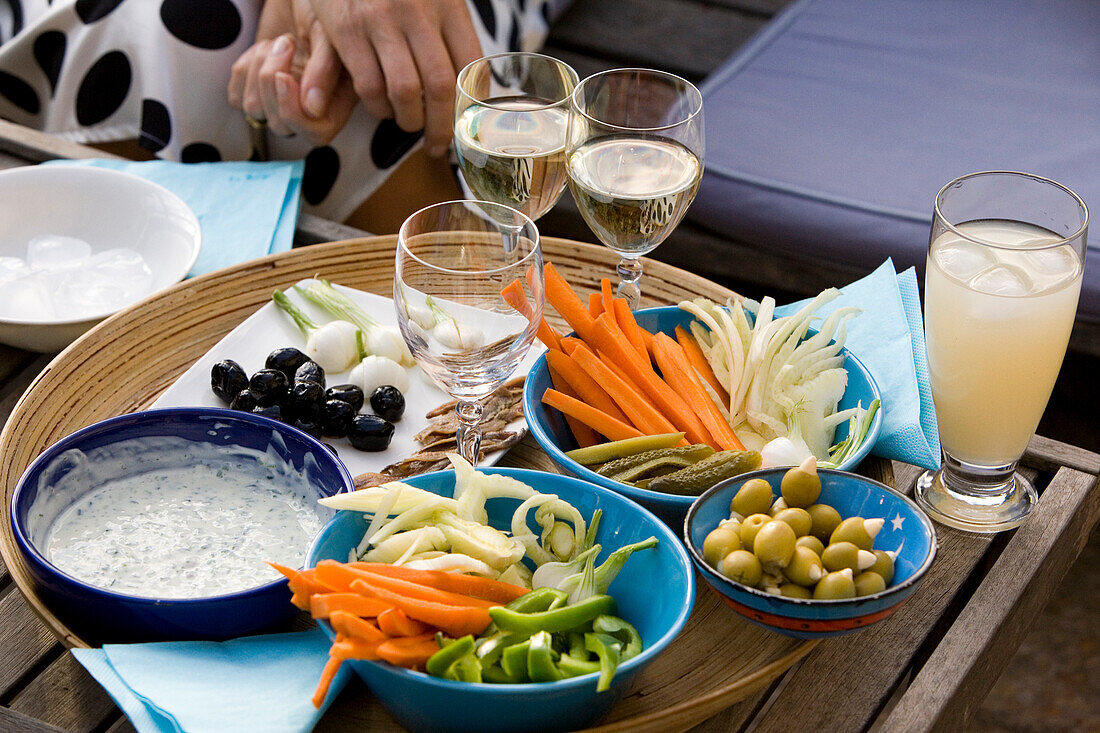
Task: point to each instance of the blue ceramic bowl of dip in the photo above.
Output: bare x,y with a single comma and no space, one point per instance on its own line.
907,530
104,452
553,434
655,592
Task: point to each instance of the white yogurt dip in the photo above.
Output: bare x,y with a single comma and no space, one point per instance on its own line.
194,520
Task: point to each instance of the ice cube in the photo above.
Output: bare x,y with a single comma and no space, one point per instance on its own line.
962,259
1058,263
26,299
87,292
126,266
1003,279
12,268
56,252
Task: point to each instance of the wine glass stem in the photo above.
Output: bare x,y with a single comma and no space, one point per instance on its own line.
630,282
469,430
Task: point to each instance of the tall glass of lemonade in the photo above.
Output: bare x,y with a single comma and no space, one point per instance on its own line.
1004,271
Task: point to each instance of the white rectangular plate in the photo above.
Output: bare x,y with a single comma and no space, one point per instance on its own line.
269,328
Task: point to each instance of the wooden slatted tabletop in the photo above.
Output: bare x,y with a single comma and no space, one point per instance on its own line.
926,667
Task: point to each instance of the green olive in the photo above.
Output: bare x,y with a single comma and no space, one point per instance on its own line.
857,530
825,519
799,519
812,542
741,567
719,543
805,567
839,584
774,544
868,583
801,486
840,555
884,565
794,590
754,497
750,527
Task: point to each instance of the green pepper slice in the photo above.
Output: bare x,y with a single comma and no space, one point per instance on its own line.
623,632
606,648
541,665
514,660
565,618
440,663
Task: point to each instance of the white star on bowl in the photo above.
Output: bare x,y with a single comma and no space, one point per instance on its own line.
897,522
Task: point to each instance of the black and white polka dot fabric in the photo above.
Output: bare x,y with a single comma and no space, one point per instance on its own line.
157,71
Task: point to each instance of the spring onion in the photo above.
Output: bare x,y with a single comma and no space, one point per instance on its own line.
334,345
379,339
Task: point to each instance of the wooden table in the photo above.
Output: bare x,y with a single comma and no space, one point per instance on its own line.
928,666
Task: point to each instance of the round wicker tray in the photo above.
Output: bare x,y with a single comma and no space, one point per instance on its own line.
127,361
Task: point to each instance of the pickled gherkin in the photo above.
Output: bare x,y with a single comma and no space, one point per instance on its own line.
651,462
696,479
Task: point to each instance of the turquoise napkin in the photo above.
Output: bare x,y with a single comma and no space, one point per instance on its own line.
888,337
256,683
246,210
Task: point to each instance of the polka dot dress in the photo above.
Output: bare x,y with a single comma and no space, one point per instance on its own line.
157,71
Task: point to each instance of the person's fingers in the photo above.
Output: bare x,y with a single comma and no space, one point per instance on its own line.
320,75
403,88
317,131
251,100
278,60
437,76
459,34
237,77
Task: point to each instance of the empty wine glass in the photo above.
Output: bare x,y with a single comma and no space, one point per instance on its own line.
454,259
634,156
511,117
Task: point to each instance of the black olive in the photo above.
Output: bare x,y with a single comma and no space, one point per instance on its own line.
349,393
269,386
336,416
286,360
304,399
245,401
227,378
309,426
370,432
273,411
388,402
311,371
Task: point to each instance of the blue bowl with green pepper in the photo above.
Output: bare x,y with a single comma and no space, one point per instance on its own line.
654,591
554,436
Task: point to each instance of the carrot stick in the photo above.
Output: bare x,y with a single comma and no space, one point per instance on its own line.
699,362
582,434
322,605
630,327
302,583
394,622
682,378
354,627
587,388
328,674
599,421
637,409
345,573
410,652
453,620
607,297
514,296
609,341
566,302
569,344
468,585
346,648
595,305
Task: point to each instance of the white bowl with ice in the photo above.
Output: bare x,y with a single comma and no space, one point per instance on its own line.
79,244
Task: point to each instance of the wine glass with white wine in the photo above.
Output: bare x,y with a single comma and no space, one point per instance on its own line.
511,117
634,156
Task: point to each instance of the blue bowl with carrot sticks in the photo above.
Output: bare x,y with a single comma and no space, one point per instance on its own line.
555,436
420,702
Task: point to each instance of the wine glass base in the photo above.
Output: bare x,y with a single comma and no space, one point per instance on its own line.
975,511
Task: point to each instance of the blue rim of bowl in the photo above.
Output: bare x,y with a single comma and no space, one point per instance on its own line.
110,172
810,602
131,417
548,444
646,655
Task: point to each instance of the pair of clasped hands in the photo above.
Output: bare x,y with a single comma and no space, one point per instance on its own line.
313,60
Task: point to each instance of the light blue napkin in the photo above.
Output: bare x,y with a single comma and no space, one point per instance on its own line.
256,683
888,337
246,210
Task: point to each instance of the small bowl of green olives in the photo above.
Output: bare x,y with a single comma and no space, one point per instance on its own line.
810,552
